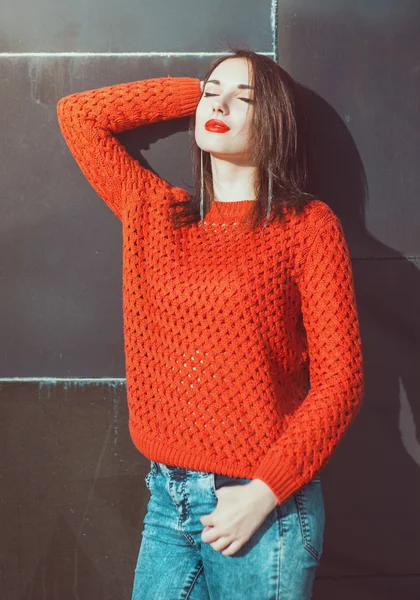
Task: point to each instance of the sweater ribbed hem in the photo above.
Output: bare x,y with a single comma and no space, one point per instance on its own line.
180,456
280,482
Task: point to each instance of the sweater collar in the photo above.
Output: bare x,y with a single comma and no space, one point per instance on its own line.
227,212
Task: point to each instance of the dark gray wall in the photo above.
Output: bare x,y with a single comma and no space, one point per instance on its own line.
72,490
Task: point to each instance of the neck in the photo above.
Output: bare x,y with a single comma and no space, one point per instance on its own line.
232,180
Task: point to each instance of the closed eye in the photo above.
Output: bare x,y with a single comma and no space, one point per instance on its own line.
244,99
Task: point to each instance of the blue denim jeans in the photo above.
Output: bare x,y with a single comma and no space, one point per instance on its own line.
278,562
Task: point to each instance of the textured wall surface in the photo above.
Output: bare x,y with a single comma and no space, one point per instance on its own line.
72,484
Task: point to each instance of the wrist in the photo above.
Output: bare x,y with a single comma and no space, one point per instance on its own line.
263,494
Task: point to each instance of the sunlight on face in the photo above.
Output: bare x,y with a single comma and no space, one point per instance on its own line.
230,104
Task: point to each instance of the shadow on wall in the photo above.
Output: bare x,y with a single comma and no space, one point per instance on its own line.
379,458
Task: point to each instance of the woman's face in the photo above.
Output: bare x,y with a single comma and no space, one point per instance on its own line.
231,104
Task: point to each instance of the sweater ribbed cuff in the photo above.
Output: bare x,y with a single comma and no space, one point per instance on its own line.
279,478
189,95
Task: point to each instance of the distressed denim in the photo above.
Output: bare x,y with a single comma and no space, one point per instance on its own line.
278,562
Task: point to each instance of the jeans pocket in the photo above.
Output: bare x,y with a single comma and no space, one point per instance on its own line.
217,481
153,471
311,512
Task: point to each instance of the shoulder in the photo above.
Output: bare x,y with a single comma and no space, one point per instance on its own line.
313,215
304,225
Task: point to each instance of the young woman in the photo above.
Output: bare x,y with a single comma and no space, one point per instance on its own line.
243,352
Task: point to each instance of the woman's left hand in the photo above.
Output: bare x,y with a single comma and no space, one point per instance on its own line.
240,511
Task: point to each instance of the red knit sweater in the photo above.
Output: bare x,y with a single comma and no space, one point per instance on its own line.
225,330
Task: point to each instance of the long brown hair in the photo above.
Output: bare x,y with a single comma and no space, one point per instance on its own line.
278,143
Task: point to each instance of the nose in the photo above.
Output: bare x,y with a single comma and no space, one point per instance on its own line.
218,106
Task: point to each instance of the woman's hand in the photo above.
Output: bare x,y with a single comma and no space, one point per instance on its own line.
240,511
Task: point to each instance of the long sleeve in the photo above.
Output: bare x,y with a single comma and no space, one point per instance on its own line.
313,432
89,121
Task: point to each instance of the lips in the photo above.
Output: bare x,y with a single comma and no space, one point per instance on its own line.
216,126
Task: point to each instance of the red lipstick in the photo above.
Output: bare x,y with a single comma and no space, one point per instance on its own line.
216,126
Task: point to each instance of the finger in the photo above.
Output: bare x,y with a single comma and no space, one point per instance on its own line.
222,542
207,519
210,535
232,548
205,530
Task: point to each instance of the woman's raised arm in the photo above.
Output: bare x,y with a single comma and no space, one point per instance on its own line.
89,121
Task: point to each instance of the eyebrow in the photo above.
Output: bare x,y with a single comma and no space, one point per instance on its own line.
241,86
